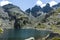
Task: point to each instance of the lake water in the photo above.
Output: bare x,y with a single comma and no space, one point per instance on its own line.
22,34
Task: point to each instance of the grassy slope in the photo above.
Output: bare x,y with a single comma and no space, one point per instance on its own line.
52,21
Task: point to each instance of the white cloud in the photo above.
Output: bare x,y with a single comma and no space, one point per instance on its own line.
39,3
43,5
52,3
4,2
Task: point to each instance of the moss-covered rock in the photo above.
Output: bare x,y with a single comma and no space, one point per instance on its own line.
1,30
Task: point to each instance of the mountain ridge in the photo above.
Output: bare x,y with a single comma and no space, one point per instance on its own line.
45,9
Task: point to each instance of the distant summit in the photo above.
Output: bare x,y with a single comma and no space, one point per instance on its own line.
47,8
34,10
38,9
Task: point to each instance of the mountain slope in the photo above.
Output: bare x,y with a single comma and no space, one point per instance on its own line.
56,6
4,19
15,17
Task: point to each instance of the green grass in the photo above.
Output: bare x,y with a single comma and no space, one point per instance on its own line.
55,38
55,29
41,25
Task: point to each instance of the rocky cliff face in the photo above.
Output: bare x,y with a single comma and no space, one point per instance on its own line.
12,16
4,19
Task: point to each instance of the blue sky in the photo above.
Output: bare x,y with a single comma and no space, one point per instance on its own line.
25,4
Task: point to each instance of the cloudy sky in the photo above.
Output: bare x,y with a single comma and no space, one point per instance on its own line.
25,4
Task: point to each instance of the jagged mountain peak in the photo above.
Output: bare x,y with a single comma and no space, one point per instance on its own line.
47,8
37,10
36,7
